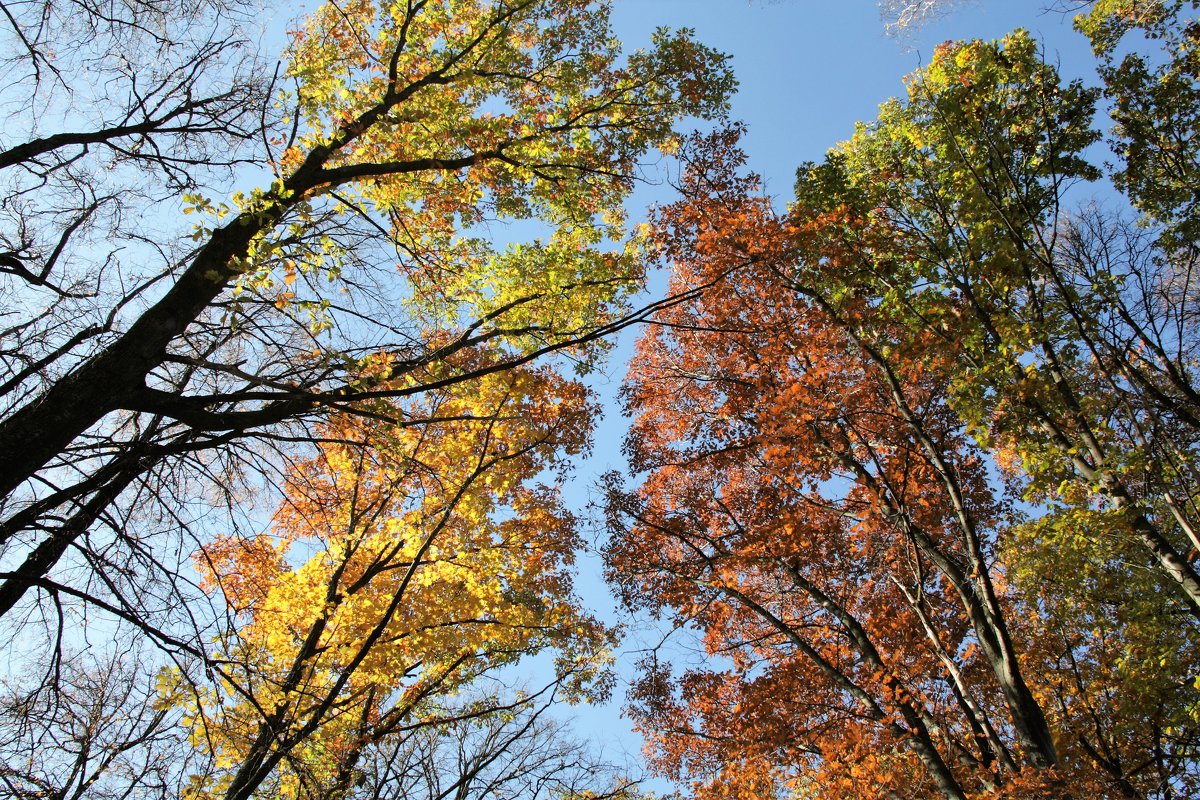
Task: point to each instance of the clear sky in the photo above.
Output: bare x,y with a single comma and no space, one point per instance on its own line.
808,70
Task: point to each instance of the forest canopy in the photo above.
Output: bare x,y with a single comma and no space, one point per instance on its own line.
294,360
920,465
291,448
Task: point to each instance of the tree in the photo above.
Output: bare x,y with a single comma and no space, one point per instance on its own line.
181,361
99,730
901,17
432,560
408,126
817,511
108,733
1064,360
396,576
521,754
1154,98
822,431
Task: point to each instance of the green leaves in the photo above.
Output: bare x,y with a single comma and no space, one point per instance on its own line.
1150,64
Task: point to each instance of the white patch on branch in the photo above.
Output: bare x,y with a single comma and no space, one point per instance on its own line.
903,17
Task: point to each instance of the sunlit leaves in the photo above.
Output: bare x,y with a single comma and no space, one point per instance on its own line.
477,111
396,575
1150,63
906,453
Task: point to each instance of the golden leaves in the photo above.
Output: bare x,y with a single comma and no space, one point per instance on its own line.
404,569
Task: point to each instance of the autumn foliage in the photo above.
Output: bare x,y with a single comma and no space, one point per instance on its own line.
300,443
889,462
917,457
819,514
393,577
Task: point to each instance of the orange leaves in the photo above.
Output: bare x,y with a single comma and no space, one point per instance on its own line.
241,569
813,505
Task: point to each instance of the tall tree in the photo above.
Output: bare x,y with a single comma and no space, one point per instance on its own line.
822,433
1069,350
430,560
1149,53
818,511
181,361
407,127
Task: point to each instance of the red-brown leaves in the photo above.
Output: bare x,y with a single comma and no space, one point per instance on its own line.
813,506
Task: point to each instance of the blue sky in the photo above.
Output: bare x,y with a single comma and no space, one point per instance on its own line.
808,70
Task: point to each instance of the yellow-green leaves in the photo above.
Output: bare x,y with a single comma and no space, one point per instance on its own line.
416,549
942,235
1150,65
459,113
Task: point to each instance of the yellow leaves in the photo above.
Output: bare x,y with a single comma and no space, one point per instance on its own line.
418,563
416,534
564,108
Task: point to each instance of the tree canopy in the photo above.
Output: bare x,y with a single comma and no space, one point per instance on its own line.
292,379
919,465
270,409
